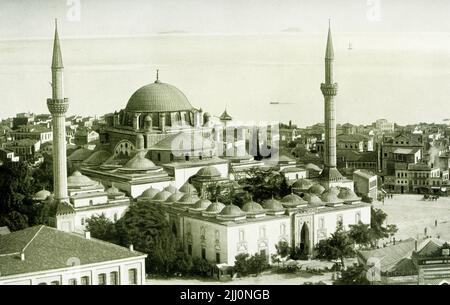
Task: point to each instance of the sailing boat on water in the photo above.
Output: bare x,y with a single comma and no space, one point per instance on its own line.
350,46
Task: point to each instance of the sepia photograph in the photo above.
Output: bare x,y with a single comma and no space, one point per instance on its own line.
235,144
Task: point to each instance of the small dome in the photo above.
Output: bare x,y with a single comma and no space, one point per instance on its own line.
313,199
215,207
252,207
231,210
171,188
162,196
273,205
302,184
175,197
202,204
334,190
312,166
348,195
292,200
317,189
149,193
139,162
188,199
208,172
148,118
113,190
41,195
188,188
97,158
331,198
80,154
79,180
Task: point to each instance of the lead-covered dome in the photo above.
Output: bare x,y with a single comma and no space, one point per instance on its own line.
158,97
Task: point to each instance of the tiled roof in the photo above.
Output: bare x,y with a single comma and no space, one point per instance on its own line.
47,248
391,255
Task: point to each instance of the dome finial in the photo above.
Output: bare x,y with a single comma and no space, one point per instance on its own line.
157,76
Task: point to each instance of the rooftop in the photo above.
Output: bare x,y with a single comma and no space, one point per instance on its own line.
47,248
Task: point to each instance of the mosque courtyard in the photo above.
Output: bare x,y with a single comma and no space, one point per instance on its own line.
412,214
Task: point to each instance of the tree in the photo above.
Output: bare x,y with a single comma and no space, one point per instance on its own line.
200,266
338,246
146,227
353,275
283,248
263,184
102,228
246,264
361,234
241,266
378,231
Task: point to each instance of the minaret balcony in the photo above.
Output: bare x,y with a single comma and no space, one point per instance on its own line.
329,89
58,106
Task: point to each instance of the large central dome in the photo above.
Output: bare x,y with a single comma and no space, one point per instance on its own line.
158,97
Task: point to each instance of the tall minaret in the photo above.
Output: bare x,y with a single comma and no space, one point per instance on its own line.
329,91
58,106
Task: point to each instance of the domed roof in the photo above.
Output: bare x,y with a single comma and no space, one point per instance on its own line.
79,180
330,197
292,200
312,166
302,184
188,188
348,195
97,158
149,193
202,204
41,195
316,189
313,199
175,197
171,188
80,154
231,210
208,172
114,192
158,97
215,207
188,199
139,162
273,205
252,207
162,196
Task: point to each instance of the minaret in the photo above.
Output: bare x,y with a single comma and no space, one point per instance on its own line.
329,91
58,105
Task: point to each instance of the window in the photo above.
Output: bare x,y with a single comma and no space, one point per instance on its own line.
217,258
114,278
102,279
190,249
82,221
283,229
262,232
357,217
241,235
171,157
159,157
72,281
132,276
203,253
91,202
85,280
186,158
188,229
321,223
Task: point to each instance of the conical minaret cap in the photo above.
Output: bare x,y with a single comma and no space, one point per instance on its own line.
57,57
329,53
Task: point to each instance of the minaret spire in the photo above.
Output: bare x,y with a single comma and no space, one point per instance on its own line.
329,53
57,57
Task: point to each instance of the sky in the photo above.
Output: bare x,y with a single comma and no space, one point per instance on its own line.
81,18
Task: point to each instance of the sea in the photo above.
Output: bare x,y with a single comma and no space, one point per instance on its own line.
403,77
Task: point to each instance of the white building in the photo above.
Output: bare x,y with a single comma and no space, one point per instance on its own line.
42,255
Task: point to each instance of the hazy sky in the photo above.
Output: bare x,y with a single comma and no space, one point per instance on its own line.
32,18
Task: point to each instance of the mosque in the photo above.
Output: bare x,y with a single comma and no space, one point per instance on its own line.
161,150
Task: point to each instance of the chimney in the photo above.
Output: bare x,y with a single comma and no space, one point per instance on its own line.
22,256
87,234
131,248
